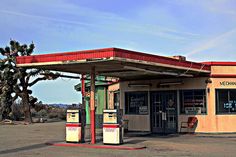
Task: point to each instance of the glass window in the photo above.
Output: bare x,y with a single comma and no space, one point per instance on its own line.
225,101
136,103
193,101
116,100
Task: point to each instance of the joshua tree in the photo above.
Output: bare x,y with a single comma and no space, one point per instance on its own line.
15,82
7,82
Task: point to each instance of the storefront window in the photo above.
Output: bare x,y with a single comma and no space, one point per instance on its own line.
193,101
116,100
136,103
226,101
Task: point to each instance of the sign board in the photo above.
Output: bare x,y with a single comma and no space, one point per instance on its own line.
193,110
228,83
230,105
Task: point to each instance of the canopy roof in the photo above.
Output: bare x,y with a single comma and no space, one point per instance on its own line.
115,62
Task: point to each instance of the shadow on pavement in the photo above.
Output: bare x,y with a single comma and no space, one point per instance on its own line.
135,141
25,148
151,135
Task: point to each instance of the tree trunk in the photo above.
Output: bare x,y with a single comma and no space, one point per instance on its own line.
26,106
1,114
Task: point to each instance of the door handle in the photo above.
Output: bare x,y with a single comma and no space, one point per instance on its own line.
163,116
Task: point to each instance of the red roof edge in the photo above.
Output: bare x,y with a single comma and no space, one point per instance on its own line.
107,53
215,63
66,56
223,75
159,59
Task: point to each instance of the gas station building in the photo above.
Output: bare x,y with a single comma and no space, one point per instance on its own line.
155,93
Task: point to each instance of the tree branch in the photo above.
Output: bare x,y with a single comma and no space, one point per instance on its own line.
56,75
32,73
27,79
17,91
14,98
36,80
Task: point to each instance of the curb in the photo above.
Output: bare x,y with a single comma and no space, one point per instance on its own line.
95,146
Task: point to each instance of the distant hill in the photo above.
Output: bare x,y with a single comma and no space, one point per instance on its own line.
62,105
59,105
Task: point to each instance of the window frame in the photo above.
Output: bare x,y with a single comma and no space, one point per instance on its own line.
114,100
128,104
217,102
181,101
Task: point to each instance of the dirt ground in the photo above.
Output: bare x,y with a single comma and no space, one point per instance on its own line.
29,141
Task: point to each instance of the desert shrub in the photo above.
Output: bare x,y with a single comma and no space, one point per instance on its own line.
62,115
42,113
53,115
17,111
33,112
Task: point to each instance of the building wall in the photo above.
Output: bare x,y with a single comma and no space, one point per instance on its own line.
100,99
223,69
111,89
208,123
189,83
100,103
213,122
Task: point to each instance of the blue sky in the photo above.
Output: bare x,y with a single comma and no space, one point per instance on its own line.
201,30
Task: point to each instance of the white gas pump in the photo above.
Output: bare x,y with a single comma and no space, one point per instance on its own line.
73,126
112,127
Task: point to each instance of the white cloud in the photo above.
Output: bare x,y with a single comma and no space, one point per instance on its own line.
44,18
214,6
215,42
222,7
66,13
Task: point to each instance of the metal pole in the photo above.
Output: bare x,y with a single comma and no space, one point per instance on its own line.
92,106
105,98
83,114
